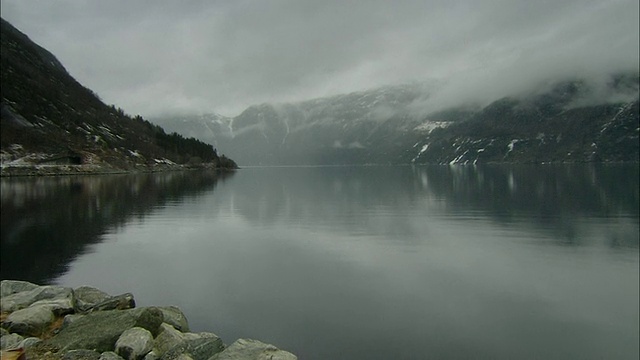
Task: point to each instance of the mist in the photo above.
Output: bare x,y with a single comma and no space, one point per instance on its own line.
158,57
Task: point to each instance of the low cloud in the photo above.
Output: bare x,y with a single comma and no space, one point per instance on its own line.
153,57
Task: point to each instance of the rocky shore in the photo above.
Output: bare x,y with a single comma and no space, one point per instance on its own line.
54,322
97,169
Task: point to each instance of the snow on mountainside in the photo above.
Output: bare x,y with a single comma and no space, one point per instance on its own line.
567,121
52,124
317,131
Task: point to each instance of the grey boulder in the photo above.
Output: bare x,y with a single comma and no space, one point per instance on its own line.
10,341
100,330
29,342
198,346
81,354
32,321
110,355
247,349
10,287
168,338
174,316
134,343
59,299
87,297
119,302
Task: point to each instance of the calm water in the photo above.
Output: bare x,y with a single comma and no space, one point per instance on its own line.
528,262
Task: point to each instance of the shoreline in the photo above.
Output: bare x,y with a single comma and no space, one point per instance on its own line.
66,170
53,322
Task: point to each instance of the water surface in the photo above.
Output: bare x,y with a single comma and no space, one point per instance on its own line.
492,262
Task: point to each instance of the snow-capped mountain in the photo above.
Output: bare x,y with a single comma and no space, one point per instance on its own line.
386,125
341,129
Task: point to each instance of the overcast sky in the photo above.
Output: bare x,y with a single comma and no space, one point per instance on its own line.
156,56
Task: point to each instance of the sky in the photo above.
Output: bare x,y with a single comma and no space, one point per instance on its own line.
153,57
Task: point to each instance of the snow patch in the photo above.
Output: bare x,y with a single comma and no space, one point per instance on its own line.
429,126
135,153
164,161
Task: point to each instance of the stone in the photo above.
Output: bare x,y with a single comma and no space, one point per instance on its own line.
88,297
81,354
184,357
119,302
134,343
100,330
110,355
248,349
174,316
12,354
200,346
204,345
10,287
151,356
68,319
59,299
10,341
32,321
59,307
168,338
29,342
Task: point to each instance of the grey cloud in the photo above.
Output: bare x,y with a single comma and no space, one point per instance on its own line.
158,56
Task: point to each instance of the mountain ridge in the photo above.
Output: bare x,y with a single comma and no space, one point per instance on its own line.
388,126
51,120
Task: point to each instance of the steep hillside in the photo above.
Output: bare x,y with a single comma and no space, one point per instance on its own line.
570,121
49,119
551,127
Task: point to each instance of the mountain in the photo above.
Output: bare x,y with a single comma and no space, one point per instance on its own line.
554,126
49,119
569,121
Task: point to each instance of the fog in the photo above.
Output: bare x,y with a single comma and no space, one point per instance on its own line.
154,57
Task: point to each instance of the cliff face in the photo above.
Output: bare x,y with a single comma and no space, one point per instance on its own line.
48,117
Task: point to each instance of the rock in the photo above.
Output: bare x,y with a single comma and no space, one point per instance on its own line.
119,302
100,330
134,343
59,307
247,349
174,316
10,341
34,320
110,355
200,346
29,342
68,319
88,297
168,338
81,354
12,354
9,287
184,357
151,356
203,345
59,299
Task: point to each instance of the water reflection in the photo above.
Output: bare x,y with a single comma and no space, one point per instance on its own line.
445,262
47,222
561,200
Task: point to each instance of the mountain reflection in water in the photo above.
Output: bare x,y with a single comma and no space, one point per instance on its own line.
376,262
46,222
